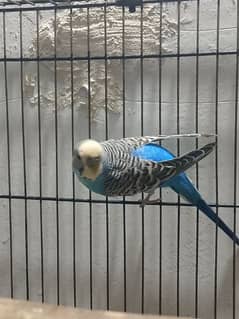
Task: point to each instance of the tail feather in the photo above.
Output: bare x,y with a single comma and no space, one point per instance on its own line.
183,186
203,206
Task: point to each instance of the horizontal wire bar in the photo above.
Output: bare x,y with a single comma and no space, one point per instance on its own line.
117,57
62,4
101,201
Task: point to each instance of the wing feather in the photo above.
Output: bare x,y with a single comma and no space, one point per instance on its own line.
129,144
144,175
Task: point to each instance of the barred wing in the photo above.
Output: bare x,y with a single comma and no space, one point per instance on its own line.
130,175
180,164
129,144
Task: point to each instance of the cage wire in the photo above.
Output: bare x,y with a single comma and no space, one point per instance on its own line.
103,69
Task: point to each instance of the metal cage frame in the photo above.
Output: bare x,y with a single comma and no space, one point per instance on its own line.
40,5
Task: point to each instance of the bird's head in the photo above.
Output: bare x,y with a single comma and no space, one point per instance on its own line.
87,158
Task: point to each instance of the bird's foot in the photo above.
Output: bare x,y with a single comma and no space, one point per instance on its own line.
147,201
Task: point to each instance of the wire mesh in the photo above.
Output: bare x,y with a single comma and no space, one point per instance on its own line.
37,7
197,171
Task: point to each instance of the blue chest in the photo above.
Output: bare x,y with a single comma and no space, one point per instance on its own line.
96,186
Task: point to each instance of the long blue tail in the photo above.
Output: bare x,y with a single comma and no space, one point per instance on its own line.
183,186
203,206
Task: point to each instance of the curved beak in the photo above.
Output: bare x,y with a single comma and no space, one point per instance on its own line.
77,164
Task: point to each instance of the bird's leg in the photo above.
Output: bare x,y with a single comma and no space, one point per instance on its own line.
147,200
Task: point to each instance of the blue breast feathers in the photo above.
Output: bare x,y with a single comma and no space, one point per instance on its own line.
96,186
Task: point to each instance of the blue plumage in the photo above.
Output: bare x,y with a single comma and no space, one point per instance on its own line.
129,166
182,185
97,185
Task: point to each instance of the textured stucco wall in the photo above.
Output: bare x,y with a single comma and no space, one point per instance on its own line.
206,117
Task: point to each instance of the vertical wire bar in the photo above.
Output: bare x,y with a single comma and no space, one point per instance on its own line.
160,132
142,133
8,156
73,175
197,171
56,150
216,158
234,278
178,152
24,158
106,135
89,133
40,160
124,131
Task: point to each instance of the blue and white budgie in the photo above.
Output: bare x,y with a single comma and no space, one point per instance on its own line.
132,165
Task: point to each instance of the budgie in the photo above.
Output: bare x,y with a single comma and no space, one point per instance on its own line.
129,166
